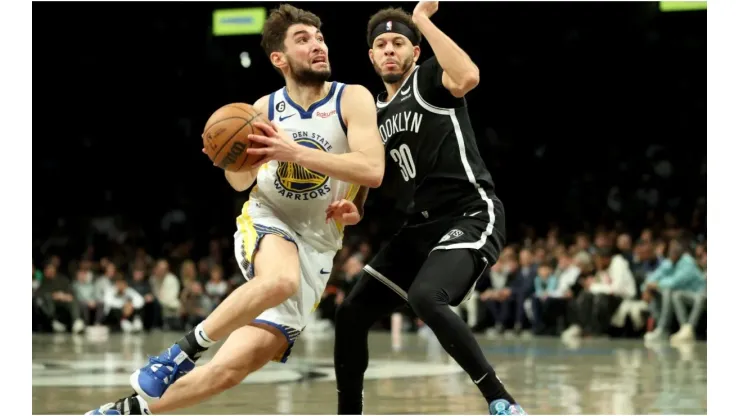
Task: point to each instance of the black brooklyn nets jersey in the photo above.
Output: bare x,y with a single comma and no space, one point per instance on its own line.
432,162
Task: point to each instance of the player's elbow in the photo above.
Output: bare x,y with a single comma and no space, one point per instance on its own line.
374,177
471,79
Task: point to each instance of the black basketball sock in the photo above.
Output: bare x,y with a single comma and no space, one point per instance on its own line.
189,345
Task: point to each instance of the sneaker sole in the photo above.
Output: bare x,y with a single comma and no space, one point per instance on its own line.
134,381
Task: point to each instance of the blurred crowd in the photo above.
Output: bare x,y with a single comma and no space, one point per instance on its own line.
606,283
139,295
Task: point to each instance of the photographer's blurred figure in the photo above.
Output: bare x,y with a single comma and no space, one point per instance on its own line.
123,306
678,272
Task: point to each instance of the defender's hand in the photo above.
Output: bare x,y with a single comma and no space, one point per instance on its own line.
426,9
278,145
344,212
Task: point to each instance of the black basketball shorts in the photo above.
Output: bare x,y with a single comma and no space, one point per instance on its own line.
478,226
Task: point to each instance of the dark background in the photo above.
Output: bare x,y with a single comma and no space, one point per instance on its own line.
588,114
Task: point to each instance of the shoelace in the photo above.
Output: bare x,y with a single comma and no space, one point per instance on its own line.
164,363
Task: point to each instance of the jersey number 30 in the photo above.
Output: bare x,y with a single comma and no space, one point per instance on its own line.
405,161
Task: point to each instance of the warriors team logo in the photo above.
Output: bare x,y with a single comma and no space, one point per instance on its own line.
296,182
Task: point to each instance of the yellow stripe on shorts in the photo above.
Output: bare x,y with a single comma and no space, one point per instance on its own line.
249,233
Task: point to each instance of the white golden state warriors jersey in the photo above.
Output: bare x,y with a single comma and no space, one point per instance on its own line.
296,195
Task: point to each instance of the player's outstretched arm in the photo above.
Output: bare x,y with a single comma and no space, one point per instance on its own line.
363,165
460,74
241,181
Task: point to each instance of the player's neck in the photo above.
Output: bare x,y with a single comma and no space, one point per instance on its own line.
306,95
391,89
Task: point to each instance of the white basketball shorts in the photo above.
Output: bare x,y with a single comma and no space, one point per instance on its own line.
289,317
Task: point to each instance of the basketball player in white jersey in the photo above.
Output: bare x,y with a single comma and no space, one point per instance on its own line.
321,147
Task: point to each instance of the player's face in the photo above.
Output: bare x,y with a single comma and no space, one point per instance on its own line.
392,56
307,55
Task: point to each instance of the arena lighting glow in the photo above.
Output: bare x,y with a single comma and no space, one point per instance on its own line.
681,6
229,22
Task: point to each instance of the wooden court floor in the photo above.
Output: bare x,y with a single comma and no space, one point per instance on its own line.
72,374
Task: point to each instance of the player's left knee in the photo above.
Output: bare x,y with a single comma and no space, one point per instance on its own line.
284,286
425,299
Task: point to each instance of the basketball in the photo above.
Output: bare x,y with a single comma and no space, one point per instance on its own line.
225,137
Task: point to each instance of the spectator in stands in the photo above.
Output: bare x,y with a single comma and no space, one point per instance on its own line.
624,247
105,281
579,307
216,288
55,299
540,255
583,242
512,298
166,289
698,302
678,272
545,287
612,284
189,274
90,309
496,290
645,261
38,277
195,305
122,306
601,241
561,302
151,312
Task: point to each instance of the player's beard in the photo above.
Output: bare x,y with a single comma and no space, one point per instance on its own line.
309,77
394,77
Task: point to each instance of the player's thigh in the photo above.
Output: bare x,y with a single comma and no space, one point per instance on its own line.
448,275
368,301
248,349
277,258
397,264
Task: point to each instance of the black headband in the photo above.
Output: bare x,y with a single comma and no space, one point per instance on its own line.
393,26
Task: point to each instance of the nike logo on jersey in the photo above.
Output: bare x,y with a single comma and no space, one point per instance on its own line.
473,214
324,271
286,117
406,91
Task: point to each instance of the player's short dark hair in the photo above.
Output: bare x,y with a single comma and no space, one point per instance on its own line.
395,14
279,21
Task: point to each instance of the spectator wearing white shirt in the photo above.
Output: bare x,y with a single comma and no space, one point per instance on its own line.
105,281
166,288
612,284
122,306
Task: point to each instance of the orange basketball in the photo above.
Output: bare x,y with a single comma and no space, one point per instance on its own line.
225,137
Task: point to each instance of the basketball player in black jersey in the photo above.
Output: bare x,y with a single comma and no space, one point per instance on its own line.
454,229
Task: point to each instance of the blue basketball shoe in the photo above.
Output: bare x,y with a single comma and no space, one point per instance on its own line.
132,405
503,407
152,380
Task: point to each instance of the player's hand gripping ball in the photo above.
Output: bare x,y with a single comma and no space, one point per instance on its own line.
226,137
